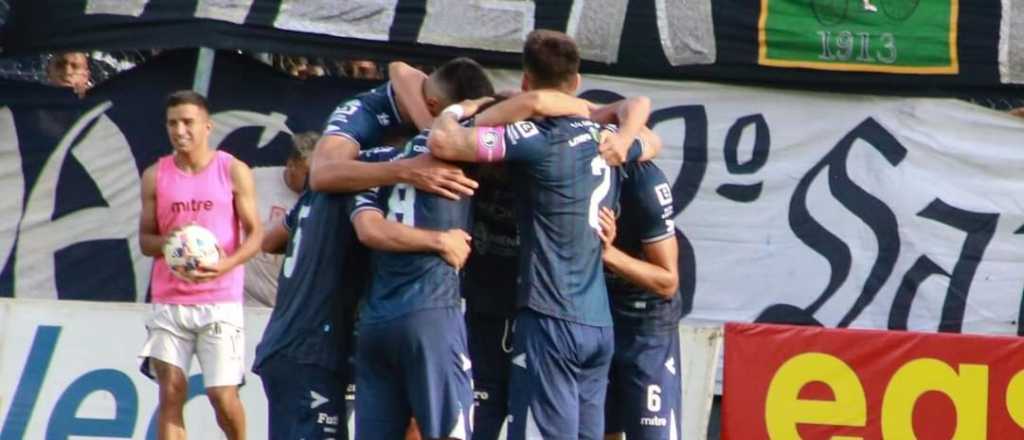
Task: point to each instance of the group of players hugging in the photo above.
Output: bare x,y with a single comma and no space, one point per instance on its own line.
468,276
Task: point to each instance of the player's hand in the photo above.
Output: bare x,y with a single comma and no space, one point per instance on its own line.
606,218
427,173
1018,112
454,247
614,147
471,106
205,273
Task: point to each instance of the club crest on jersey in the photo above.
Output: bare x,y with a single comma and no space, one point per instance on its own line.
384,119
489,140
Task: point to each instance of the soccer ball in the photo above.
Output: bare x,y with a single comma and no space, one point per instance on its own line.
190,247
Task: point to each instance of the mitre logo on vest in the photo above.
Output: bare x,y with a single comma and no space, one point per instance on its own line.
192,205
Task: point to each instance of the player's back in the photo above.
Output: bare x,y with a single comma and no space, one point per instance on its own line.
563,185
489,277
645,216
404,282
324,272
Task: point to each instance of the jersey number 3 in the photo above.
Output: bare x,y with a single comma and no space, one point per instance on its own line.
599,168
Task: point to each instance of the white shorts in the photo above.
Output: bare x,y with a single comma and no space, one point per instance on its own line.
213,332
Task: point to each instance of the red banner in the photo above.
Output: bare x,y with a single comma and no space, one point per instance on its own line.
811,383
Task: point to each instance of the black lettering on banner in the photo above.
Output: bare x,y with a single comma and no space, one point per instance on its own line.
868,208
979,228
684,190
745,193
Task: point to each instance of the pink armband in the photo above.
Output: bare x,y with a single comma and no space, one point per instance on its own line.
490,144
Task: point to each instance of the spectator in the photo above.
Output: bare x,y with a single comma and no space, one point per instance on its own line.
363,69
70,69
301,68
277,190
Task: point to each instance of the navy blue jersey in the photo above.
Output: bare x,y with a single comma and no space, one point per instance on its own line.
645,217
562,183
324,272
405,282
489,278
365,117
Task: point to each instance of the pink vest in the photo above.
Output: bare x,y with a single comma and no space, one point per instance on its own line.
204,198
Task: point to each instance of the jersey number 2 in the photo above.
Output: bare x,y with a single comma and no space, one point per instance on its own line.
599,168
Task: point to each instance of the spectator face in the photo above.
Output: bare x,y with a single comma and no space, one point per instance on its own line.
188,127
295,172
69,70
364,69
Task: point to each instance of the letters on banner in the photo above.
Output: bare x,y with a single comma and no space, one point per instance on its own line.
787,382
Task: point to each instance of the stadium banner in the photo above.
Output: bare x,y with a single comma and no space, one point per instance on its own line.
829,209
69,369
863,50
805,382
890,36
683,33
1011,43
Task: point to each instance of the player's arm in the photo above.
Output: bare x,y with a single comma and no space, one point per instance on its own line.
245,209
379,233
335,167
150,240
407,82
546,103
657,272
631,115
275,241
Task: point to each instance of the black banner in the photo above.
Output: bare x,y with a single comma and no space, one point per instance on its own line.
667,39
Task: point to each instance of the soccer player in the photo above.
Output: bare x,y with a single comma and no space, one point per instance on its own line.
489,280
563,336
642,275
197,312
302,358
361,122
412,356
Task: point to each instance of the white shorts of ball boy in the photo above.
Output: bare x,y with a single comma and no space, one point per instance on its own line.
212,332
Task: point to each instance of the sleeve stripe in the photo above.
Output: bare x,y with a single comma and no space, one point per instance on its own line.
394,105
364,208
344,135
658,238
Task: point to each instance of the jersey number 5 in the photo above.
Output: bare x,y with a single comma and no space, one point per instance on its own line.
289,261
599,168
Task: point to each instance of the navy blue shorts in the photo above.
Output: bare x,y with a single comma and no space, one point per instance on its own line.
559,377
490,347
644,386
304,400
416,365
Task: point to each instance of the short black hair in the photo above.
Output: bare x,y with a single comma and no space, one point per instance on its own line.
463,78
182,97
550,57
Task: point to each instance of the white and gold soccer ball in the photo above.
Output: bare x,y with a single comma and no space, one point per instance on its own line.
190,247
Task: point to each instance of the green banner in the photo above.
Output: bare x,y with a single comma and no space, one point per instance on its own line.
894,36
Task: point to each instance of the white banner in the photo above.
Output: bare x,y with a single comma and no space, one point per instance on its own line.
842,210
68,369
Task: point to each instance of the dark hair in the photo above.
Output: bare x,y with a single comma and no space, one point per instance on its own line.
182,97
463,78
550,57
303,145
